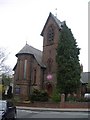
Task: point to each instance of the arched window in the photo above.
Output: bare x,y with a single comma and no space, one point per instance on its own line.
50,34
49,65
25,68
34,76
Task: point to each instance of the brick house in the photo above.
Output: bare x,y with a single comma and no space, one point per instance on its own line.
85,80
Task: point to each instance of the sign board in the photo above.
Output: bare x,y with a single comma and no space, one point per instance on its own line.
49,77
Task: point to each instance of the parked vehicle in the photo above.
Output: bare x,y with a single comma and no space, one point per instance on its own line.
87,95
7,110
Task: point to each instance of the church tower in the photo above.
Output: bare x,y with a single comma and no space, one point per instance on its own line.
50,35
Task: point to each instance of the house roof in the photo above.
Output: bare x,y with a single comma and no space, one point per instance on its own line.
27,49
57,21
85,77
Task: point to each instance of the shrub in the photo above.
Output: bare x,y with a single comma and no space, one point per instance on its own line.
71,98
82,99
75,99
55,96
38,95
16,99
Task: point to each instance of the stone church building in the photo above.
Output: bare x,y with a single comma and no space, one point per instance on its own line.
35,68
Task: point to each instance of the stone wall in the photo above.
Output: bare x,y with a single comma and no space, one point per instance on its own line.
56,105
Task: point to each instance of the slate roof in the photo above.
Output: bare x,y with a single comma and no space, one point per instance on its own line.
27,49
85,77
57,21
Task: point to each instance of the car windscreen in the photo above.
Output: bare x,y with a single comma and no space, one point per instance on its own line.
2,105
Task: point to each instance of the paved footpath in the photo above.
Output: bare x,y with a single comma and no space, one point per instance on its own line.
54,109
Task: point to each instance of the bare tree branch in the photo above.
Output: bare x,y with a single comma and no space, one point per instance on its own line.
3,57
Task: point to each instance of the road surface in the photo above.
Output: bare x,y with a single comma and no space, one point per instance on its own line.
51,114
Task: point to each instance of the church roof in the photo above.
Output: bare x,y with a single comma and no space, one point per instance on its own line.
85,77
57,21
27,49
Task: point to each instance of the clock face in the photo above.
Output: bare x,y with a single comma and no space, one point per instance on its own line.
50,34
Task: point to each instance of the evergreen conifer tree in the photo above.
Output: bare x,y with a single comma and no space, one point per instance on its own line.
69,70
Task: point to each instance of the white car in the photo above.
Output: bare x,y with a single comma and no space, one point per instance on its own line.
87,95
7,110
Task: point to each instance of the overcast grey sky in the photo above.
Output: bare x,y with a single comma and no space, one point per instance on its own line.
23,20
